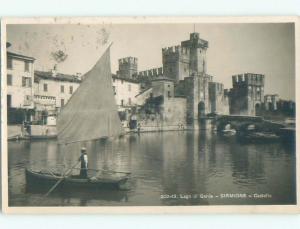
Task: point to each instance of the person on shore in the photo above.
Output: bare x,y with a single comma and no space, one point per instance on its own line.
84,163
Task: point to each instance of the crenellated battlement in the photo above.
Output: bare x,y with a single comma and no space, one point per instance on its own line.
248,78
128,60
217,87
175,50
154,72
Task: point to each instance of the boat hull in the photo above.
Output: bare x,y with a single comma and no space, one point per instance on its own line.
38,179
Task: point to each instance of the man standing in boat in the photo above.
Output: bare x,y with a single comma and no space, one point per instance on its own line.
84,163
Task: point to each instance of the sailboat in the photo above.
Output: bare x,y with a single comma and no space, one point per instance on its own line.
90,115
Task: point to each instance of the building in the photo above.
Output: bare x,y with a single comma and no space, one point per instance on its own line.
52,90
125,91
246,96
162,110
163,87
20,77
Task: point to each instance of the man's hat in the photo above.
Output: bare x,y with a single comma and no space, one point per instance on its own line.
83,149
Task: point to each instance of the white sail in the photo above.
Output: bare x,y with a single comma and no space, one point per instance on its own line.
91,112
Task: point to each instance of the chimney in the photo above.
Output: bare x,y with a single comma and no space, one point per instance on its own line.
54,70
78,75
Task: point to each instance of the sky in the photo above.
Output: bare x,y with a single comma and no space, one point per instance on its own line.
263,48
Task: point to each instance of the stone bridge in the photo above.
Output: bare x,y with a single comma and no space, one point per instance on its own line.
243,122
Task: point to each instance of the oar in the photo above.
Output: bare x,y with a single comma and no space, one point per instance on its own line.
60,180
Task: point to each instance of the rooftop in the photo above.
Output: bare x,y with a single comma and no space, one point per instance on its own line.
163,78
114,76
19,56
58,76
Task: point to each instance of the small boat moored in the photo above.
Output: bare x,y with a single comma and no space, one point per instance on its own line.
228,133
259,137
103,180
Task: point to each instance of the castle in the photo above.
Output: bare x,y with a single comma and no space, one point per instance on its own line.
186,65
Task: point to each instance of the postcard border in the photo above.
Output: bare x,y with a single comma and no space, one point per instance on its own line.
144,209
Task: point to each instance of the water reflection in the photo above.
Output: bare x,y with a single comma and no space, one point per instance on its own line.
168,163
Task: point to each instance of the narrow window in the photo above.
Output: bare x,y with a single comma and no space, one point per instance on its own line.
9,63
9,97
26,66
23,81
129,87
169,94
114,89
9,79
62,102
45,87
62,89
71,89
28,82
122,102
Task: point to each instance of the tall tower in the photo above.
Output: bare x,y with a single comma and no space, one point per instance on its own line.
128,67
247,94
175,62
197,50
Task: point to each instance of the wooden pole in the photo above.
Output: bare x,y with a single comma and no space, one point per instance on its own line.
60,180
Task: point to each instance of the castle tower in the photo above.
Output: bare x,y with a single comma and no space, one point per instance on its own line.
197,48
175,62
128,67
247,94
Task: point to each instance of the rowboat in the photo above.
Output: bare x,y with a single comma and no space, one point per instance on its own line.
105,180
259,137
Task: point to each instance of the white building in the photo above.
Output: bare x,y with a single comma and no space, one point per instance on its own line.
125,91
20,75
52,90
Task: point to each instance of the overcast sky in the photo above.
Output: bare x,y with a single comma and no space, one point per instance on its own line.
233,48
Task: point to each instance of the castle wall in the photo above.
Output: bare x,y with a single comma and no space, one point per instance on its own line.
170,115
174,112
218,100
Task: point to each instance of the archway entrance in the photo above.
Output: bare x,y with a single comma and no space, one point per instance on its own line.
201,109
257,109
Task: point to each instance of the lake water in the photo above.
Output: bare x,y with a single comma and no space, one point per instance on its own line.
168,168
